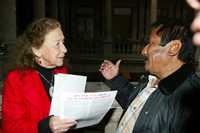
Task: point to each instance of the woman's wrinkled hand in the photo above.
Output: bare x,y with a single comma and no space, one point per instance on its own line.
58,125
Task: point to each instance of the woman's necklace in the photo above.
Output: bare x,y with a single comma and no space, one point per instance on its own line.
51,89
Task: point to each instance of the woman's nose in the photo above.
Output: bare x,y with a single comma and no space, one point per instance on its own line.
63,48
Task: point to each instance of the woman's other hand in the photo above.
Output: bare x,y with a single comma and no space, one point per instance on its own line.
58,125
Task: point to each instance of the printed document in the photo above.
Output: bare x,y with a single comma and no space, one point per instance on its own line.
86,108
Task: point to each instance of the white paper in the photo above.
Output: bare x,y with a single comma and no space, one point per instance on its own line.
86,108
71,102
69,83
66,83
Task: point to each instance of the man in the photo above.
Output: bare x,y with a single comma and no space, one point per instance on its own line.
195,4
168,102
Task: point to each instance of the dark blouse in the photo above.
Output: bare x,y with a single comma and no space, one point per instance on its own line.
46,75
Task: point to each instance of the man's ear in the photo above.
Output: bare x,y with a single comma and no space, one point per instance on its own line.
36,52
174,47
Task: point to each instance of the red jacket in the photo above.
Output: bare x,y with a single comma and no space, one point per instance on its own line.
25,101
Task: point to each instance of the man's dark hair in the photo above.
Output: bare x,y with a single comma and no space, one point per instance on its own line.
170,30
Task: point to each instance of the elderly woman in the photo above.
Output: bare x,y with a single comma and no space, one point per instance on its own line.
28,88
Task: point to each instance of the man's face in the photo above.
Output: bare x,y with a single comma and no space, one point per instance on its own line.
195,4
156,56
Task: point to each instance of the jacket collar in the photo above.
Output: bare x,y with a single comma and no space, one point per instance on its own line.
170,83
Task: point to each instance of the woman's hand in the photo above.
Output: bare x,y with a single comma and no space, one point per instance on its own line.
109,70
58,125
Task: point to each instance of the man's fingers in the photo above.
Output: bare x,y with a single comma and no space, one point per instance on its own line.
107,61
118,63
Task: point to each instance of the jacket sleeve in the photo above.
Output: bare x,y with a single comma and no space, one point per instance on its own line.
43,126
14,109
126,91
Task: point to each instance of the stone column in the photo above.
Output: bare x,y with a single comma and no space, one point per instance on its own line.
153,10
38,9
8,21
62,4
108,28
53,8
108,16
7,36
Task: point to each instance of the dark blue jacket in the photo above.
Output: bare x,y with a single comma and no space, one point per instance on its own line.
172,108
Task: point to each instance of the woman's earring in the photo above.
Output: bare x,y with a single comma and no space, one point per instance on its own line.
40,62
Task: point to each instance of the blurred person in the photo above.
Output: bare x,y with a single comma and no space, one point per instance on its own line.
195,26
28,87
167,102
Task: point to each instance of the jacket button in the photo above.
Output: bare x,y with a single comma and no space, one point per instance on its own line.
146,112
